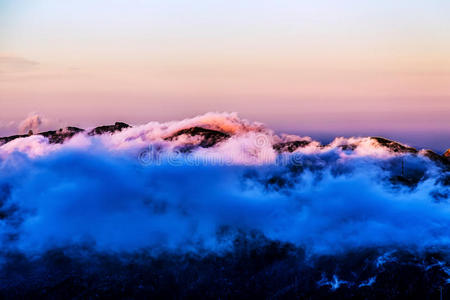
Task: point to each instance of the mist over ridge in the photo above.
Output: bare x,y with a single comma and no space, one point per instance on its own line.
176,185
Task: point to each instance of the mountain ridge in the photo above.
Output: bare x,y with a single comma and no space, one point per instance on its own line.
209,138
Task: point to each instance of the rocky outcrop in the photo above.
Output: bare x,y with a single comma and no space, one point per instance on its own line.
394,146
441,159
118,126
54,136
7,139
447,154
208,137
290,146
61,135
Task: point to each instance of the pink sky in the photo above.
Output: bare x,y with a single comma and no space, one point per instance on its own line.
358,67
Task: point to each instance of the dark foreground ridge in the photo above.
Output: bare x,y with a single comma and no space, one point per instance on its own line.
257,268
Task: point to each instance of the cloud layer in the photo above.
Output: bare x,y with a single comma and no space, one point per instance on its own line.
137,189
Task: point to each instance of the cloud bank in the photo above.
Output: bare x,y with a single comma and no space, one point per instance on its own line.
152,187
31,123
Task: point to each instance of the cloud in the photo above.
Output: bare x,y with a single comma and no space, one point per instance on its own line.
94,190
114,203
30,123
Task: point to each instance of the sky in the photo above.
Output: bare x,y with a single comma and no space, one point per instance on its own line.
319,68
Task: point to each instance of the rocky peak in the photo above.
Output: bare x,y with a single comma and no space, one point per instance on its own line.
54,136
208,137
435,157
7,139
447,154
290,146
118,126
59,136
394,146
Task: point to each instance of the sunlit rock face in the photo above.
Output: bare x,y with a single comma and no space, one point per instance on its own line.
220,207
447,154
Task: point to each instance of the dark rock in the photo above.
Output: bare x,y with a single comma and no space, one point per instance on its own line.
436,157
7,139
348,147
394,146
290,146
410,181
54,136
118,126
61,135
255,268
209,137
